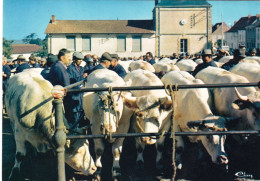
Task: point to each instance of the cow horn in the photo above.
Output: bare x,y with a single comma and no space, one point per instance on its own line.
242,98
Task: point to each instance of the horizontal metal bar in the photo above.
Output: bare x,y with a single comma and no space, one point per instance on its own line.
253,132
193,86
75,84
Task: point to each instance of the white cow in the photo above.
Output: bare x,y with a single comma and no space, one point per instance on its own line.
186,65
247,70
29,105
165,67
227,102
125,65
191,104
152,111
141,65
225,59
106,112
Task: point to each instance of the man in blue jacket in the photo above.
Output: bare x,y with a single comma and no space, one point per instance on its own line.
149,58
76,74
22,64
207,61
115,66
59,76
33,61
239,55
5,74
105,62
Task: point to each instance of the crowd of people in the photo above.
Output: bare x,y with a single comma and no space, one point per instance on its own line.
62,70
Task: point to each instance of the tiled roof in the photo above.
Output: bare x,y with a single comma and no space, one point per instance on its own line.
217,28
242,23
100,26
183,3
25,48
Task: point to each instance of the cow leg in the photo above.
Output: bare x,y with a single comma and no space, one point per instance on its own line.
99,150
140,148
19,156
159,149
179,148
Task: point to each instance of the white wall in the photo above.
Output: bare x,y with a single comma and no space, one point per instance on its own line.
101,43
232,39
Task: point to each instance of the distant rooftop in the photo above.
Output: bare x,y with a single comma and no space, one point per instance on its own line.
243,22
100,26
183,3
25,48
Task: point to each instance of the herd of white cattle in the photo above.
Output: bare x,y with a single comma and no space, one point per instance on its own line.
28,102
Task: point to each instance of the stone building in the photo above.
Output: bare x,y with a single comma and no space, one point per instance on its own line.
218,33
176,27
182,26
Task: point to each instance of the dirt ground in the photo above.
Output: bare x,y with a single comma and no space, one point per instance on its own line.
43,167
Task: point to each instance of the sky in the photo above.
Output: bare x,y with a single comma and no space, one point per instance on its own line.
23,17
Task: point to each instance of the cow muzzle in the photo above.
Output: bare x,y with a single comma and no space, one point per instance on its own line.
222,159
148,140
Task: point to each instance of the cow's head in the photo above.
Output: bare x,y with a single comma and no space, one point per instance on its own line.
77,155
214,144
251,104
150,112
110,108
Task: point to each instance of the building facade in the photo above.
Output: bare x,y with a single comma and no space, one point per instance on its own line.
253,34
176,27
218,31
237,34
182,26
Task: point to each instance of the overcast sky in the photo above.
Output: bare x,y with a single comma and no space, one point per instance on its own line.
23,17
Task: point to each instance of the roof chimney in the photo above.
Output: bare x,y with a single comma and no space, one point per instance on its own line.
249,16
53,21
258,15
235,22
156,2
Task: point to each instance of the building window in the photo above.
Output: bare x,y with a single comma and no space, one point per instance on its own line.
184,45
86,43
137,44
71,43
121,43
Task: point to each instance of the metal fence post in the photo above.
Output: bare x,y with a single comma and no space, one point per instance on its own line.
59,139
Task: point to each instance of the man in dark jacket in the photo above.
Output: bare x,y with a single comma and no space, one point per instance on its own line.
239,55
76,74
33,61
22,64
149,58
5,74
115,66
207,61
89,64
50,60
105,62
59,76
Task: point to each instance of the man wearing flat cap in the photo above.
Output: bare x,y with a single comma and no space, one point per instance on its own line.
207,61
239,55
33,61
50,60
221,54
105,62
22,64
76,74
116,67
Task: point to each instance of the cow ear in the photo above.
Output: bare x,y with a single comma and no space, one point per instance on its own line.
165,103
240,104
130,102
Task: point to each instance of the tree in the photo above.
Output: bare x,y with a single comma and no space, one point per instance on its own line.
44,45
28,38
7,48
